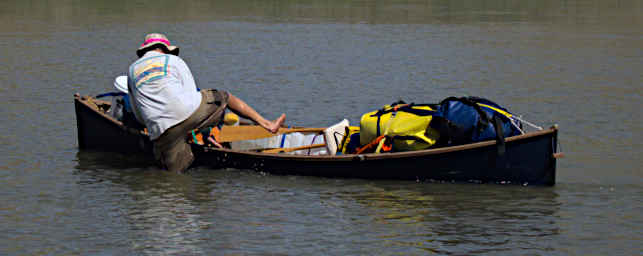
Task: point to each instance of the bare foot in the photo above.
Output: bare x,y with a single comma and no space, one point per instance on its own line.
273,127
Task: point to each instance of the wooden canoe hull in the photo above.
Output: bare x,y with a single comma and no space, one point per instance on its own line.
97,130
527,159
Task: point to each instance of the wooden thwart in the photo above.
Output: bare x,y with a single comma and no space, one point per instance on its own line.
253,132
285,150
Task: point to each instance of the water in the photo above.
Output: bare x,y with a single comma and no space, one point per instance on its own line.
573,63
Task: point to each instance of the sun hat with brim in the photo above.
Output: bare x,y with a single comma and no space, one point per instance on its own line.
156,39
121,83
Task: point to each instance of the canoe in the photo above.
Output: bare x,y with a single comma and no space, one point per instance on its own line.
527,159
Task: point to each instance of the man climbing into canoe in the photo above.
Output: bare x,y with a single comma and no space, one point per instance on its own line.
164,97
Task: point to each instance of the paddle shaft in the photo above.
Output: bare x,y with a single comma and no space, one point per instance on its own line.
284,150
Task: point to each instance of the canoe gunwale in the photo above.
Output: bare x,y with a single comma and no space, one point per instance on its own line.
374,156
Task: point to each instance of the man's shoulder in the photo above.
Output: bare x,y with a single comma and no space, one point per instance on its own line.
176,62
165,59
156,55
174,58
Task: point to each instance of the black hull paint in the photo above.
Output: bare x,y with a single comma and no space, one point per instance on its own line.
528,159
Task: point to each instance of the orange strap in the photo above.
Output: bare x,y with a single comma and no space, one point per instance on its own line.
197,137
388,146
370,145
397,107
216,133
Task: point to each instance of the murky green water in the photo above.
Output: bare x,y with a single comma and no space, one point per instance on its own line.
574,63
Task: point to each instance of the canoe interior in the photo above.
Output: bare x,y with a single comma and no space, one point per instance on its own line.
527,159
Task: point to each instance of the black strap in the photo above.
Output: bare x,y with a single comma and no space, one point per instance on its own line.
417,112
501,159
378,125
484,119
500,136
407,109
346,137
113,94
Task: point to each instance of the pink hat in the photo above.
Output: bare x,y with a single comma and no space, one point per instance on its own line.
156,39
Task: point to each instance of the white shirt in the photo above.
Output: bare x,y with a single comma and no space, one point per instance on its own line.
162,91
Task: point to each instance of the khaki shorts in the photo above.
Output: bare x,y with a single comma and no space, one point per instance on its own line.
171,149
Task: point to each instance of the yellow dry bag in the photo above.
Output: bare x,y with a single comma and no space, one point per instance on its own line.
406,126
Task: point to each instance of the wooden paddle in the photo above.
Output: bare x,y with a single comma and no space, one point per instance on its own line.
284,150
253,132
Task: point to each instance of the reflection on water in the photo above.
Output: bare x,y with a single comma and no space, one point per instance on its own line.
161,207
174,212
461,219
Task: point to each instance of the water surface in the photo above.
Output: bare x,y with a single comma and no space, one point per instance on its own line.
572,63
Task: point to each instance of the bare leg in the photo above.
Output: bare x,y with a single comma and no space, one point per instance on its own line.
241,108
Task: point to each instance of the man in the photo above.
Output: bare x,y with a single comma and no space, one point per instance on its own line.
164,97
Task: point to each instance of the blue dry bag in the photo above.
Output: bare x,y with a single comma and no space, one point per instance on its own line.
474,119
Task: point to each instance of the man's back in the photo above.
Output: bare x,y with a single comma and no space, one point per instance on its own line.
162,90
